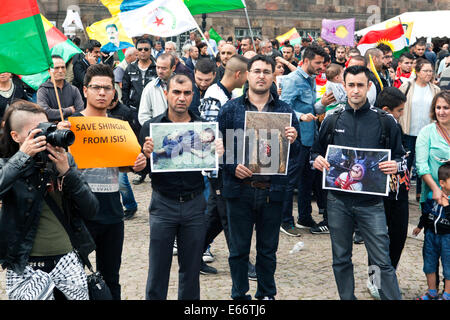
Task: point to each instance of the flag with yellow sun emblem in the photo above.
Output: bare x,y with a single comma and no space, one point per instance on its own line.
341,32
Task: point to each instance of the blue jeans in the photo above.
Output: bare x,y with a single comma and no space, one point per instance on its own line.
301,176
253,208
436,246
343,213
126,192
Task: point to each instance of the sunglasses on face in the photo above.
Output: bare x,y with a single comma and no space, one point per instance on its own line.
145,49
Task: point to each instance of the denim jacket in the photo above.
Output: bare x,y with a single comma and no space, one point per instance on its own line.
232,116
299,91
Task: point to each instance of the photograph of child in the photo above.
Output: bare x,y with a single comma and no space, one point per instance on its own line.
266,148
356,170
184,146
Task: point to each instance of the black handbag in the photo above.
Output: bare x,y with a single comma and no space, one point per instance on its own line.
98,290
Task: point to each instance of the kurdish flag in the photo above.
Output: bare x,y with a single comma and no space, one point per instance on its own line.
292,35
394,37
194,6
58,45
23,44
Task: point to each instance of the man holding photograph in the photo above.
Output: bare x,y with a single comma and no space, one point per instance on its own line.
359,125
251,199
177,206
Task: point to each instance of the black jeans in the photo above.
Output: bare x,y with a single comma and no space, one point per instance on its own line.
397,215
253,208
216,217
109,243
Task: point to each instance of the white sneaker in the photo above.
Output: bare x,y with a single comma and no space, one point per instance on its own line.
208,256
373,290
175,248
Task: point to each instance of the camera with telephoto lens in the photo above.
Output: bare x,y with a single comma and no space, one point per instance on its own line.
54,136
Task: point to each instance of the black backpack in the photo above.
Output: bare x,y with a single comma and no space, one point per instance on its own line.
382,117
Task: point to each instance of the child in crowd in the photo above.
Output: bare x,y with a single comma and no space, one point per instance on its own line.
437,237
392,100
335,84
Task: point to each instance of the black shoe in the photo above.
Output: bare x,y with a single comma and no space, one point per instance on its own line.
305,224
138,180
357,239
320,228
251,272
129,214
205,269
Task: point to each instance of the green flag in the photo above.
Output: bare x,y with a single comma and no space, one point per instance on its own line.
207,6
214,35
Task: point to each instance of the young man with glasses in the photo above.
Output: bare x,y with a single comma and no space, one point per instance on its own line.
107,227
137,75
253,201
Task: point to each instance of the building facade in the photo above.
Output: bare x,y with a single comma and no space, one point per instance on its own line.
268,18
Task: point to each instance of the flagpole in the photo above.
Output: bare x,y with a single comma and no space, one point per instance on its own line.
249,26
57,95
203,36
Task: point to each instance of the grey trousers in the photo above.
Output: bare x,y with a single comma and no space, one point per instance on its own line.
185,221
343,212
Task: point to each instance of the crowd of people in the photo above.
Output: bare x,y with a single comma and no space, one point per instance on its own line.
54,215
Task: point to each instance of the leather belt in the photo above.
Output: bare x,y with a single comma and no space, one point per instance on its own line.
181,197
257,184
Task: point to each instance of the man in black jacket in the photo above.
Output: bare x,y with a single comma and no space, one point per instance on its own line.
92,54
136,77
359,126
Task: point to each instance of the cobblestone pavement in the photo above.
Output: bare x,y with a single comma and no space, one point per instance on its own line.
305,275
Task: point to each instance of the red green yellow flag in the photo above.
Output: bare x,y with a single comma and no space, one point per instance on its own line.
58,45
23,44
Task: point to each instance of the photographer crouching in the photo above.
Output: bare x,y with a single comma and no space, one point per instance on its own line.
44,202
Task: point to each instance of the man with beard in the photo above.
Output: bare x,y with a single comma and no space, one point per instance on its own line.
404,69
253,201
387,62
204,73
299,91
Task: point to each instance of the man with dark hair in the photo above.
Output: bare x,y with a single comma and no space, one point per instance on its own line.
387,63
418,50
153,100
299,91
289,64
339,56
359,125
91,56
177,207
246,44
204,73
214,99
137,75
107,227
253,201
69,95
404,69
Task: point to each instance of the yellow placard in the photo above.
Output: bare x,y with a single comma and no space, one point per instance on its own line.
102,142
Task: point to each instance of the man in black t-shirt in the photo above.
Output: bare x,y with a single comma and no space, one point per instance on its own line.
107,227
